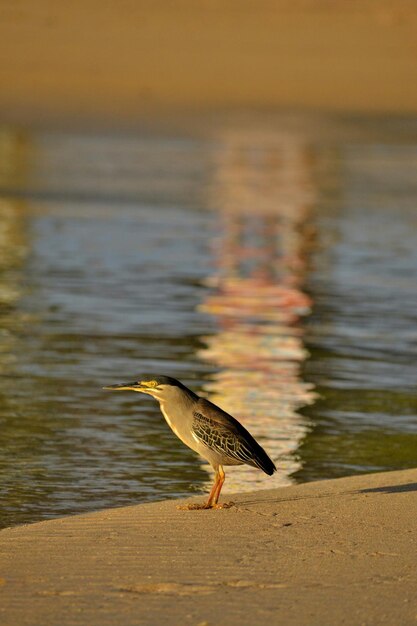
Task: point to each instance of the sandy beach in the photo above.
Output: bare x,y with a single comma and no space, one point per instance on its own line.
89,62
333,552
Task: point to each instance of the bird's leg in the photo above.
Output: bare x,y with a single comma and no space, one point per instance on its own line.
209,504
225,505
221,478
213,493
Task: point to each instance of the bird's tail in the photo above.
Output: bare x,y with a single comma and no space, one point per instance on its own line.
261,459
265,463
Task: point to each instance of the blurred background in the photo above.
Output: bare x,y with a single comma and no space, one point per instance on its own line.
224,192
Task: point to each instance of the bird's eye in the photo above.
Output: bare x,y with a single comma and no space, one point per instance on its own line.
150,383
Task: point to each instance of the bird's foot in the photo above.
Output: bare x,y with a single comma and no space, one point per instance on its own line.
224,505
194,506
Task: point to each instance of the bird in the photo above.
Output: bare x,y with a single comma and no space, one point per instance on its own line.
205,428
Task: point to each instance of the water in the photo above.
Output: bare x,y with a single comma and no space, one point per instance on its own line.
362,334
270,269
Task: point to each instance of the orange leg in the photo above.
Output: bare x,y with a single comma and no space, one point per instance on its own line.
212,497
221,479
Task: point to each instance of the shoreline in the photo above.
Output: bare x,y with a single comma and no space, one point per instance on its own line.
339,551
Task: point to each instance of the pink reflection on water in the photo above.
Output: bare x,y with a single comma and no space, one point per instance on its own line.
262,188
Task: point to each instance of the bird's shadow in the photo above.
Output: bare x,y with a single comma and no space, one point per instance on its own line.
408,487
391,489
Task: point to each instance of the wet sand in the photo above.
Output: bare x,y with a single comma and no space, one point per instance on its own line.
332,552
94,61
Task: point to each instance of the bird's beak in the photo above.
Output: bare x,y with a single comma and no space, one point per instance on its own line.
135,386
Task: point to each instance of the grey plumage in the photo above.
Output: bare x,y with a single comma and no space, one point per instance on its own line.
222,432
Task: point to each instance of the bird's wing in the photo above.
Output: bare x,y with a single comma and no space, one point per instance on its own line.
221,432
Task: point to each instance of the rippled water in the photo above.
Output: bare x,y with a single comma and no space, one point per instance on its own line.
363,332
224,259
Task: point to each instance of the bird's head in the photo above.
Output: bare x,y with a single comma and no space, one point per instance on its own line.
160,387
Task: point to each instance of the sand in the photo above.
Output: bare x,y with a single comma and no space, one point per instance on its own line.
327,553
97,61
